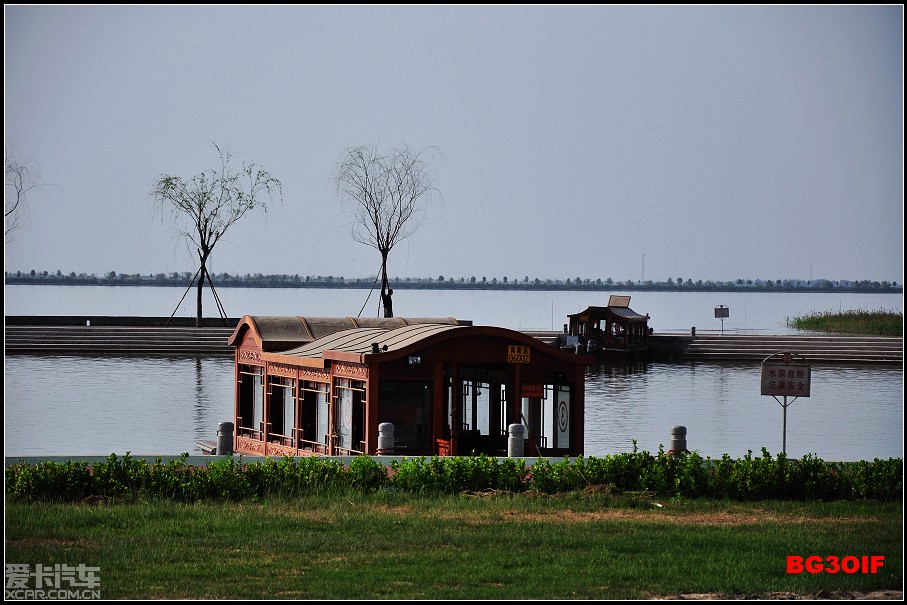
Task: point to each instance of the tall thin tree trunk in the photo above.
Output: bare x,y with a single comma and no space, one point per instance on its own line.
201,286
386,292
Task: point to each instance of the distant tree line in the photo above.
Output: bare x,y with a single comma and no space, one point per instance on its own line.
258,280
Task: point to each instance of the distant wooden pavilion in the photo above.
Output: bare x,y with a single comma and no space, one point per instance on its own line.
613,333
321,386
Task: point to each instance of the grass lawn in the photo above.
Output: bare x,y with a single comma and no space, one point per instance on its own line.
481,546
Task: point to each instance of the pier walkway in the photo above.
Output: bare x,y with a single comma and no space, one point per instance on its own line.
117,340
153,338
755,348
816,349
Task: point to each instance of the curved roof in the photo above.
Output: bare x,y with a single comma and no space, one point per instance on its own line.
623,312
357,344
360,340
284,332
628,313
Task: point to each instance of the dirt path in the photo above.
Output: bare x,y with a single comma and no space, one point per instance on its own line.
878,595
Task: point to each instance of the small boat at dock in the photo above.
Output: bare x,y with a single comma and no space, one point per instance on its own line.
612,334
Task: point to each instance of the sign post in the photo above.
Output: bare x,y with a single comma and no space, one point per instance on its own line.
720,313
782,376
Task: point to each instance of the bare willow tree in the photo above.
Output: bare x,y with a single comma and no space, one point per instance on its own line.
21,179
207,205
387,196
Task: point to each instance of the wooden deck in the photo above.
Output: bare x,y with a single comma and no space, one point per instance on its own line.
207,447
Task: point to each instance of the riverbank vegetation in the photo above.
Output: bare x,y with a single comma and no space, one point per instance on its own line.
184,279
685,475
627,526
485,545
863,323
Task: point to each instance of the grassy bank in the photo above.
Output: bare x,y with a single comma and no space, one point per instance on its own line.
389,545
685,475
863,323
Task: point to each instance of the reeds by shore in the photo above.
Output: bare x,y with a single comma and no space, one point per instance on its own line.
867,323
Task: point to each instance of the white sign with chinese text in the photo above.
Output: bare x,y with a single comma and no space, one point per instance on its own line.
787,379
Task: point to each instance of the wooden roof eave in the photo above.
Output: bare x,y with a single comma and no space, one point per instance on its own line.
607,312
427,341
305,362
280,333
346,356
465,331
246,323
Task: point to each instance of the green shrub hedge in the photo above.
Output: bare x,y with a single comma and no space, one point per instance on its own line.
685,475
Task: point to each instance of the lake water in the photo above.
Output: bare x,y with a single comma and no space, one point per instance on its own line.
753,312
75,405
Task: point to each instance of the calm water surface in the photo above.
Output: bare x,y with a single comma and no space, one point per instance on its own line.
102,405
852,413
95,406
760,312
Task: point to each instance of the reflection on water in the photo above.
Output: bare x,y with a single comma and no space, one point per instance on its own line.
98,405
853,413
204,403
749,312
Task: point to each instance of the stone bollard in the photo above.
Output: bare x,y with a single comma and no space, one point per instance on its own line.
385,439
678,440
224,439
693,331
515,441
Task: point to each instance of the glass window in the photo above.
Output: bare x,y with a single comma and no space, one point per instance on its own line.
562,417
250,400
349,397
314,405
408,406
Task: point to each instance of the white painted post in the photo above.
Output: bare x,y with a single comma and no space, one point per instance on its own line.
515,441
385,439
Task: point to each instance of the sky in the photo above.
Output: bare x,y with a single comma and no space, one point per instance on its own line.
623,142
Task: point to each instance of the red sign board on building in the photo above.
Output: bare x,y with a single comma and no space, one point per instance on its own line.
532,390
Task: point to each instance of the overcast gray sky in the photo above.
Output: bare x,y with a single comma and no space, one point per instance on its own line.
578,141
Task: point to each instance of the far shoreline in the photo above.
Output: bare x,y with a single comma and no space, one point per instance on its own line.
359,284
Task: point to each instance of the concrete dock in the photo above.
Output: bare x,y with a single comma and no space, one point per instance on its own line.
152,337
755,348
101,340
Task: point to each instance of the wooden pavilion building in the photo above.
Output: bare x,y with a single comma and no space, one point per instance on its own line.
321,386
615,333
